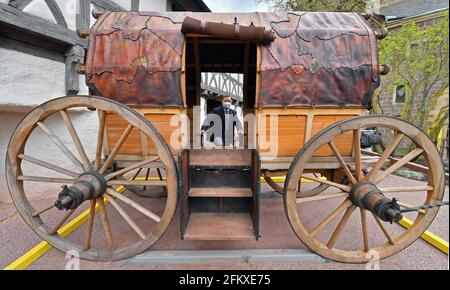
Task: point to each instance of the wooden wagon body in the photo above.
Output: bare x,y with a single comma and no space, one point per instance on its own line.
321,68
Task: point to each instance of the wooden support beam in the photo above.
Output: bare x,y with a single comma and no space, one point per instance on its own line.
198,72
37,31
246,61
108,5
19,4
56,12
134,5
83,17
74,55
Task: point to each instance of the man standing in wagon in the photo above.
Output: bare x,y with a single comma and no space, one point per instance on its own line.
221,124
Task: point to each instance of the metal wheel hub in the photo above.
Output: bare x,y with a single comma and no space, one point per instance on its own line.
88,185
368,196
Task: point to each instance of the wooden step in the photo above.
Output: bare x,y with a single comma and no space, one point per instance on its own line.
220,192
220,226
220,157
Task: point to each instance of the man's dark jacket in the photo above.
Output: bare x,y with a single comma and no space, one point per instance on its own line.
220,111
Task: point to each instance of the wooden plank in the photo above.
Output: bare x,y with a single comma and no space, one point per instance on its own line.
308,129
162,122
115,126
83,18
344,142
198,73
318,111
246,60
291,135
220,192
218,157
183,75
56,12
73,56
19,4
258,75
36,30
220,226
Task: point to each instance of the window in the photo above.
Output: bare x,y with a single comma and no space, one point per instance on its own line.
400,94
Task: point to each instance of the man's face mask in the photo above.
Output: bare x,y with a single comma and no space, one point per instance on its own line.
226,104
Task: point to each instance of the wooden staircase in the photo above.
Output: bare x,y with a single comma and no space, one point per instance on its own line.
219,194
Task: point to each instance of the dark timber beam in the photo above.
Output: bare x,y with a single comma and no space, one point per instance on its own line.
83,18
56,11
134,5
108,5
19,4
74,56
21,26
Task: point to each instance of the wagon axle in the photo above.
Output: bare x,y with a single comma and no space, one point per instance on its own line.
368,196
88,186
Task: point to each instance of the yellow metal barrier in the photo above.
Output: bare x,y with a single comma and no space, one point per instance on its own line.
428,236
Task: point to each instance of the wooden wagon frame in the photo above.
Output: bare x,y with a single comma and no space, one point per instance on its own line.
316,72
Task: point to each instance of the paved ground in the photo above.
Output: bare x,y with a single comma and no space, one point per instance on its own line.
16,238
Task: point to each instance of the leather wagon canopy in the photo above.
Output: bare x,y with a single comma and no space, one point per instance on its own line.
317,58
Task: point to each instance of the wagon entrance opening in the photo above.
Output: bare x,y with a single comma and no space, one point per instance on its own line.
216,67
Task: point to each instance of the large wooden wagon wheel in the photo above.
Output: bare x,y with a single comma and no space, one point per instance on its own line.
88,182
354,220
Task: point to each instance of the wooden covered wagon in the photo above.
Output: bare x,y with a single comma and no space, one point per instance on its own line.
308,83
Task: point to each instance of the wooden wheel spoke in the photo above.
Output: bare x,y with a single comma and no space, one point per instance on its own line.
334,184
322,197
100,136
383,229
126,217
45,179
137,182
90,225
48,165
41,211
131,167
339,157
406,189
357,153
76,140
67,214
116,148
105,222
397,165
133,204
365,230
340,226
384,157
345,204
60,145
